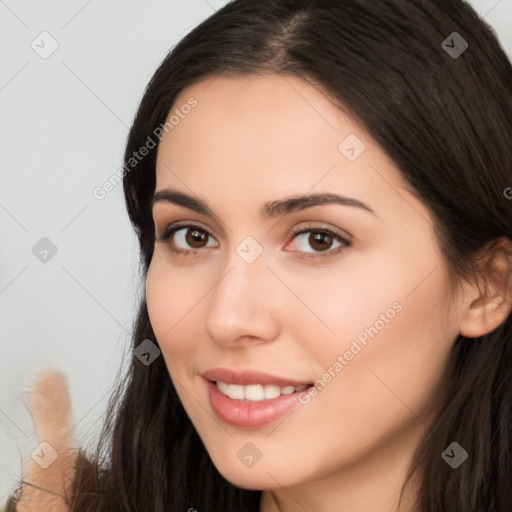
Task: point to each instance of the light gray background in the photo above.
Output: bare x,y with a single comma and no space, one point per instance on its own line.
63,125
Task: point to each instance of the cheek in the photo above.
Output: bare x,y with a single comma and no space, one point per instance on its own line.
388,285
372,391
353,301
393,357
171,299
390,322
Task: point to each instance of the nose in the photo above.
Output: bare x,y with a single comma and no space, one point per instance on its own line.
243,305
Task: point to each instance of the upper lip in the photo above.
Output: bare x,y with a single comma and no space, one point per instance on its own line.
245,377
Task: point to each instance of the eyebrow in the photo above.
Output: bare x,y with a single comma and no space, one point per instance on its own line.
269,210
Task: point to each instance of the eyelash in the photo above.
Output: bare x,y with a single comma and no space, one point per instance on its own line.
168,232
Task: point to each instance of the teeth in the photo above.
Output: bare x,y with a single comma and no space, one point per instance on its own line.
235,391
271,391
223,387
256,392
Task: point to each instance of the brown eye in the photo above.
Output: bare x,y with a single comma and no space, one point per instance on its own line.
320,241
195,238
186,239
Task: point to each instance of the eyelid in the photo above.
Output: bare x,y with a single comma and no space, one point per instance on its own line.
312,226
185,224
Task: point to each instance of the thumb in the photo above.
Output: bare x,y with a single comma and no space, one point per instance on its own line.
50,406
51,466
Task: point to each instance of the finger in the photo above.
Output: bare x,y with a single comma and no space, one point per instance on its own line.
46,484
50,406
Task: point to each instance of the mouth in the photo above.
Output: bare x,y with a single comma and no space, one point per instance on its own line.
251,406
256,392
251,399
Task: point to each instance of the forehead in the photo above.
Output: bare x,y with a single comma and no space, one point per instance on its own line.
273,112
269,133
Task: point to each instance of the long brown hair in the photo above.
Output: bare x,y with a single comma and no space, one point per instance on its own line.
446,122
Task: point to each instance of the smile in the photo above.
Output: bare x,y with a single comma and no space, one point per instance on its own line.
256,392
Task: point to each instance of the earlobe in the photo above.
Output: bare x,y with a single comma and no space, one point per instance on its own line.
488,302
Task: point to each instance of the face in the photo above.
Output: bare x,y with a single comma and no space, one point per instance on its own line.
306,261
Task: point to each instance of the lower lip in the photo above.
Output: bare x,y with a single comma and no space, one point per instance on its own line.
249,414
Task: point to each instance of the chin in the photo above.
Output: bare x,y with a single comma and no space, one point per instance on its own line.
262,476
252,481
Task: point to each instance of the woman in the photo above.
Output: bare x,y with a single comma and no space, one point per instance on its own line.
325,236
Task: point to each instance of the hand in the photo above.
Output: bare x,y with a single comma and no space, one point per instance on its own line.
50,406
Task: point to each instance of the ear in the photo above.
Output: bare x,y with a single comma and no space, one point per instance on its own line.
488,302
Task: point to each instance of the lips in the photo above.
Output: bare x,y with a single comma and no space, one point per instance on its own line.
249,414
251,399
248,377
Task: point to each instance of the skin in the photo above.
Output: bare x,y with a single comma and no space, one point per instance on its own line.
258,138
247,141
49,404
